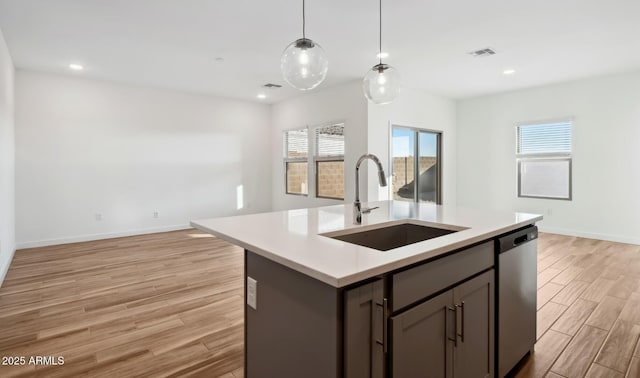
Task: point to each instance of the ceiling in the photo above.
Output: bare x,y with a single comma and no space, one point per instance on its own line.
174,44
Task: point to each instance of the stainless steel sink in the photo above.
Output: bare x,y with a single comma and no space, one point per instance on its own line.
393,236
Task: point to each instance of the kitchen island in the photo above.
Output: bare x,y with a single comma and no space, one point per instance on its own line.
320,306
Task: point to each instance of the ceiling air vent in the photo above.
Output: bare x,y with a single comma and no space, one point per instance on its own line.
271,85
483,52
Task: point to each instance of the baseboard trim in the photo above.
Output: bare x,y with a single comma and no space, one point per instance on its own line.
108,235
591,235
5,269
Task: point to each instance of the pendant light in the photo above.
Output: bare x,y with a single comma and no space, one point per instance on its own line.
304,63
381,84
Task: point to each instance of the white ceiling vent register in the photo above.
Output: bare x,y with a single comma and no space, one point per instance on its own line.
483,52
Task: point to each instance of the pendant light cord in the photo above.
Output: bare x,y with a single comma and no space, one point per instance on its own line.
380,36
303,22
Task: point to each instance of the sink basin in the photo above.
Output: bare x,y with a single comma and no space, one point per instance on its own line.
393,236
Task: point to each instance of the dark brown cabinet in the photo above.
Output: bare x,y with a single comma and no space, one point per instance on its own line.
365,331
421,345
474,352
433,319
450,335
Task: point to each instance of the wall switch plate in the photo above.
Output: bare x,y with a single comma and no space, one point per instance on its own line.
252,293
98,216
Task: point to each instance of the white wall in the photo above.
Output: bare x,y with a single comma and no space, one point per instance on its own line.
606,154
420,109
343,103
7,160
85,147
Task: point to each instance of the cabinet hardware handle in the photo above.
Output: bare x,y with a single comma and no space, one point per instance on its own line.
384,341
455,325
461,307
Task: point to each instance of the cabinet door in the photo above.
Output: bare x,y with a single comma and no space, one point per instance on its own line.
473,355
421,345
363,331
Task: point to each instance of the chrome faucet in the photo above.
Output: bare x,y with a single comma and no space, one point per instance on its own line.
357,207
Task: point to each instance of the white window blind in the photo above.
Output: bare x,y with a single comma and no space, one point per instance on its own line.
544,160
296,143
545,138
547,178
330,140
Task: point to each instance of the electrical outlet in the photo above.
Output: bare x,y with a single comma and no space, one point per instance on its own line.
252,293
98,216
156,214
549,212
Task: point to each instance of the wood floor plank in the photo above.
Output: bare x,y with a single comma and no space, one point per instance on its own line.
550,260
577,357
575,316
546,316
547,292
567,275
599,371
546,351
631,310
618,349
598,289
547,275
593,271
570,292
564,262
634,368
605,315
624,287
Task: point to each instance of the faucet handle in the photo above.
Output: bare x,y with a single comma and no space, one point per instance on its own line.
368,209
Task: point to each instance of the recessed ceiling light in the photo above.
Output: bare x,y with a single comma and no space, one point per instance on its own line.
382,55
76,67
261,96
219,59
509,71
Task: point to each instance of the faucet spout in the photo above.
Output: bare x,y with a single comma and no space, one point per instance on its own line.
357,207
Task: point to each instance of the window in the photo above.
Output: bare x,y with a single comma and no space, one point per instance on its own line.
418,179
296,153
329,161
544,160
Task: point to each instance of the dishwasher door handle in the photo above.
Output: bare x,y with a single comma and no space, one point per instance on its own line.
520,239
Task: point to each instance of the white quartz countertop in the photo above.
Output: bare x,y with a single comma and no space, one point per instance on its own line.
293,237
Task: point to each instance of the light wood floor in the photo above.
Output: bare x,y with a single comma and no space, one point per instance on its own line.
171,305
588,309
166,304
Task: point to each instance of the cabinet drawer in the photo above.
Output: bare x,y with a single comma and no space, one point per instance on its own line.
417,283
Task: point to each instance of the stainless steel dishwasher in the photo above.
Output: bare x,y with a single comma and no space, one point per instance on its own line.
517,284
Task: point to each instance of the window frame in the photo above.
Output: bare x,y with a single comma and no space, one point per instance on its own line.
287,160
327,158
416,167
545,157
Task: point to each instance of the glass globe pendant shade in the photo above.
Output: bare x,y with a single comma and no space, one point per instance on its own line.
381,84
304,64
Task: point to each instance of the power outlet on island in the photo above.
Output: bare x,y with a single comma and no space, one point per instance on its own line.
252,293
